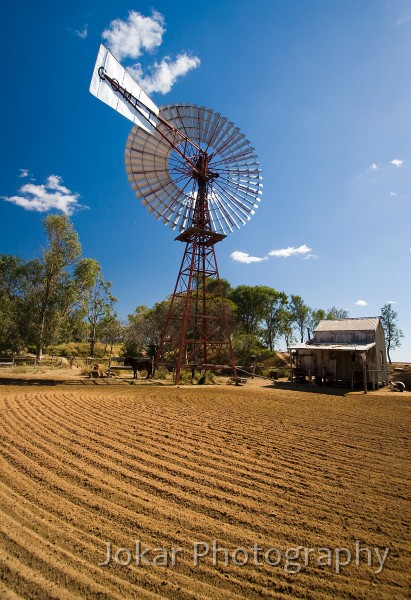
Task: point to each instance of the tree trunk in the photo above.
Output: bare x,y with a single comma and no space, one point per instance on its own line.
40,341
92,339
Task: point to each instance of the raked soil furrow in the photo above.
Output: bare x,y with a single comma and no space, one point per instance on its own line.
248,470
272,484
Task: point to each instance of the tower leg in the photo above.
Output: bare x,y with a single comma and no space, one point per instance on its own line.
197,306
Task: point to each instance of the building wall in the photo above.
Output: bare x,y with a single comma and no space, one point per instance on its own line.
344,337
343,364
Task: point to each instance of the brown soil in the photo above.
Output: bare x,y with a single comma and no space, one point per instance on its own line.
281,467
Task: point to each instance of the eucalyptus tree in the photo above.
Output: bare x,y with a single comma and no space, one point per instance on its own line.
338,313
98,301
49,291
301,314
393,333
250,304
12,273
274,303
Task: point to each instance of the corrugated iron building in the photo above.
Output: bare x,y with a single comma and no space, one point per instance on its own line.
346,351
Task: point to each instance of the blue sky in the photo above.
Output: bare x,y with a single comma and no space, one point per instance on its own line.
321,89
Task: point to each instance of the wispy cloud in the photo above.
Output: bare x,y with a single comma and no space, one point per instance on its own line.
397,162
42,198
392,302
82,33
244,257
393,194
311,256
290,251
375,170
361,303
24,172
129,39
405,18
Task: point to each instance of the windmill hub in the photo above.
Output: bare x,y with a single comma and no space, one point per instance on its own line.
201,172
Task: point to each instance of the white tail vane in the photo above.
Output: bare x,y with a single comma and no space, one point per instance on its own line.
112,84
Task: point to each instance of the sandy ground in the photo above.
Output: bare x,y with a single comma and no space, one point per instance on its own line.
287,474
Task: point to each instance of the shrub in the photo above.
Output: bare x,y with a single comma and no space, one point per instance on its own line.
161,374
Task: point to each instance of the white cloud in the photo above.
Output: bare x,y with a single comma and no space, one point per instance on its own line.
24,173
127,39
361,303
393,194
405,18
163,75
244,257
42,198
290,251
311,256
392,302
82,33
397,162
374,167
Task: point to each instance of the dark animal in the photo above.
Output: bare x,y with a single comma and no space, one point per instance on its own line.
139,364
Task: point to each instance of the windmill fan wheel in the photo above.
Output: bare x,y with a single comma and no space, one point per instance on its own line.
164,177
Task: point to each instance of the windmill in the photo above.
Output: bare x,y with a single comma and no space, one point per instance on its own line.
196,172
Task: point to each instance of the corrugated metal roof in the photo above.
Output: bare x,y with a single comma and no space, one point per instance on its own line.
364,324
336,347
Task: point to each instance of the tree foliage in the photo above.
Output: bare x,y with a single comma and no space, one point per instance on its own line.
251,302
12,273
48,288
274,303
43,300
393,333
61,297
300,313
338,313
96,302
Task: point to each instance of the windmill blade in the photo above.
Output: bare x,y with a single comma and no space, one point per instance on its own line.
145,111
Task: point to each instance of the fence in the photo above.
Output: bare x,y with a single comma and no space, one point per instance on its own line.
18,361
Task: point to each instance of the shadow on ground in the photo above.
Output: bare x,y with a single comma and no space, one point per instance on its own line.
327,390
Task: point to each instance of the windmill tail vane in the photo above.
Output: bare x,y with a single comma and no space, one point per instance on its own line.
195,171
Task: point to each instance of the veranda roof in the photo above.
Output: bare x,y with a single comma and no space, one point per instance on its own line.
334,347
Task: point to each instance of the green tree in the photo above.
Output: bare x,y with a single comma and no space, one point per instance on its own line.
338,313
111,331
214,286
286,326
145,326
273,304
393,334
245,345
100,306
139,331
301,314
251,303
49,291
12,273
315,316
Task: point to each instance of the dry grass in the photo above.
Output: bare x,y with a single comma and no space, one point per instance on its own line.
86,465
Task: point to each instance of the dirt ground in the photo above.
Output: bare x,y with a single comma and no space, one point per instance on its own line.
274,488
